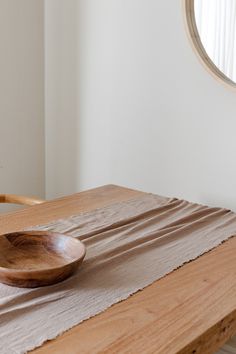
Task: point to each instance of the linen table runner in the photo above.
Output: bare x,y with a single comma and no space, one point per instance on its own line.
129,245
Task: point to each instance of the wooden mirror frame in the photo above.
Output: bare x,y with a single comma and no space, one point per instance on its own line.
198,46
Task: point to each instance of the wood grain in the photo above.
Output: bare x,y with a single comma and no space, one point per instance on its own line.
192,310
31,259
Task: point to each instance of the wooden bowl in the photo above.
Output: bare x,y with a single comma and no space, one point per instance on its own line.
36,258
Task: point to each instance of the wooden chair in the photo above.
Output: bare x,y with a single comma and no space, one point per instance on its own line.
19,199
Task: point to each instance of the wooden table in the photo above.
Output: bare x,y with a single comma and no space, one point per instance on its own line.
191,310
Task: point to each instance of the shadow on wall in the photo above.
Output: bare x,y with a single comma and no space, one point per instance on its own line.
61,95
6,208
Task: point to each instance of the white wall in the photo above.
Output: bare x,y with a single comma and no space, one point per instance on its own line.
22,97
61,65
148,116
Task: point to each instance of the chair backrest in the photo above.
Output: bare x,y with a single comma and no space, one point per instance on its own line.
19,199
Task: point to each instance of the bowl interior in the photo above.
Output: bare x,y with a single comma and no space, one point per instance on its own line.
36,250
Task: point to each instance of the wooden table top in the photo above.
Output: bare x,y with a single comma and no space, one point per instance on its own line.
191,310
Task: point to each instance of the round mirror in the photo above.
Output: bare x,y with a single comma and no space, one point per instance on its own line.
212,25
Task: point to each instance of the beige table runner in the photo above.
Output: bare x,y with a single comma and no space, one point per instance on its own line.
129,246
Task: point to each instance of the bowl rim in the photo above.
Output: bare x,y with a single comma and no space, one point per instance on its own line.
40,270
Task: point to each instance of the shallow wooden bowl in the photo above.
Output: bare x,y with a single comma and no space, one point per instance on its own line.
36,258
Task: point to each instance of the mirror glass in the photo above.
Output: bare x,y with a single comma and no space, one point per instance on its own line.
216,25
